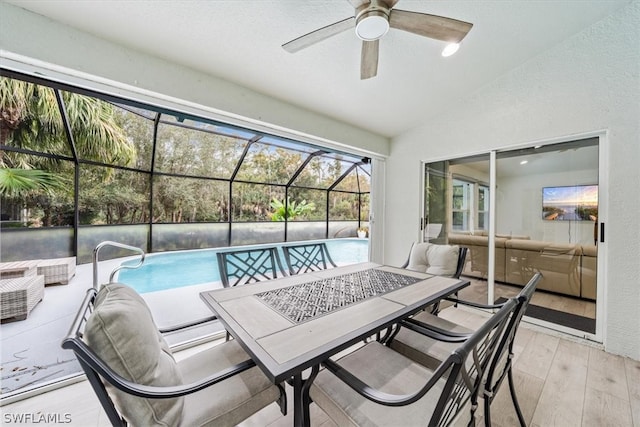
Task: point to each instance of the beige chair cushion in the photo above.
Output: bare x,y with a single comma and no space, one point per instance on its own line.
231,401
422,349
440,260
121,331
430,352
383,369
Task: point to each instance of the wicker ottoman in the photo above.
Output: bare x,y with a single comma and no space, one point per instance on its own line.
18,296
57,270
9,270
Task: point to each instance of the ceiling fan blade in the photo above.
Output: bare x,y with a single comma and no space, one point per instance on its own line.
319,35
369,59
432,26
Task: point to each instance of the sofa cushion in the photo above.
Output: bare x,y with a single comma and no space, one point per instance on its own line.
440,260
121,331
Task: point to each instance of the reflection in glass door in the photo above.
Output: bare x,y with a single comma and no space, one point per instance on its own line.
546,216
435,221
547,219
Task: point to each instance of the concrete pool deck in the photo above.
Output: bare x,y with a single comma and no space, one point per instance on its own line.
31,352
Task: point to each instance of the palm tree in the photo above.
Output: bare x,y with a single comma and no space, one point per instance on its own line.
30,119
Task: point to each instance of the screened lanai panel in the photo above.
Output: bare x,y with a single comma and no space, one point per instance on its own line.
255,202
100,132
206,126
180,199
192,148
357,181
343,206
32,120
365,206
137,124
324,170
112,196
254,233
307,230
307,204
37,191
90,236
274,162
174,237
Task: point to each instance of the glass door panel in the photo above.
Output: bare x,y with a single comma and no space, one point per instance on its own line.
435,222
456,200
546,221
546,217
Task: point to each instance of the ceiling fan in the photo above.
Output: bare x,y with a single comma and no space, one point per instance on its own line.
372,20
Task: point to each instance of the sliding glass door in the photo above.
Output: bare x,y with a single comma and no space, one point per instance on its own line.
545,217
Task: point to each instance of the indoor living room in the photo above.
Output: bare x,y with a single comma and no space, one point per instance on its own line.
546,220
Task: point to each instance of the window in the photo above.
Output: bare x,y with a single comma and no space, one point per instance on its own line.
469,205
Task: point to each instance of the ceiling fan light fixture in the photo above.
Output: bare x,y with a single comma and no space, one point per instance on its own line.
450,49
372,25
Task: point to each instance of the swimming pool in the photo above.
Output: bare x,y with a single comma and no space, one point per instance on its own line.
168,270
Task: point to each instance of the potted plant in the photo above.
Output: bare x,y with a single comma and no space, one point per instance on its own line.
362,232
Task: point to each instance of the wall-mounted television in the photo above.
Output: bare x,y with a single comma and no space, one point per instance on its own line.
570,203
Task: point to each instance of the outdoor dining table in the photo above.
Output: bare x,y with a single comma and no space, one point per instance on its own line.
291,324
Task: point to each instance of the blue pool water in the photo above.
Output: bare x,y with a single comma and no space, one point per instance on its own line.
170,270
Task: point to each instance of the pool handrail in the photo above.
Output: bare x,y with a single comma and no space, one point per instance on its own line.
96,251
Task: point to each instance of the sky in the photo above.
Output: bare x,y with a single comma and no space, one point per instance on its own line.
574,195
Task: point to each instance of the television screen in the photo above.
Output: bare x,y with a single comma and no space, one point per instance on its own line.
570,203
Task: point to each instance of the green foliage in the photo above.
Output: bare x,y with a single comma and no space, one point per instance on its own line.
20,182
193,165
291,210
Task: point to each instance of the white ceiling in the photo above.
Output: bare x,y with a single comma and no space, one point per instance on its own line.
240,41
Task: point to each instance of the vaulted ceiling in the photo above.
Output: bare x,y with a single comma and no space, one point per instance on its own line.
240,41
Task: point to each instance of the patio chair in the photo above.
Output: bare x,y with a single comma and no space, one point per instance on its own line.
378,386
307,257
441,260
239,267
431,351
137,380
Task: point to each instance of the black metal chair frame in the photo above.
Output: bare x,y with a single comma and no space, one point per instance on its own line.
491,385
249,266
458,388
96,369
307,257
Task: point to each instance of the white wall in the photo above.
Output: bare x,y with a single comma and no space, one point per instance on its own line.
33,36
589,82
519,207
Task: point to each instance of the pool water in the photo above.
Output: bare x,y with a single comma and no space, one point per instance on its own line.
168,270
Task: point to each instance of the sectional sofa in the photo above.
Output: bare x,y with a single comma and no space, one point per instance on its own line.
568,269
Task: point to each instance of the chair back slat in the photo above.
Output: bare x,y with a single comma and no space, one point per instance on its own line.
473,357
239,267
307,257
462,256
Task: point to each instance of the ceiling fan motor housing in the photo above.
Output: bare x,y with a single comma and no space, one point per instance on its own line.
372,21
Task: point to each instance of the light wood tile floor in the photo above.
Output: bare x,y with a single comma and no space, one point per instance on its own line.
559,382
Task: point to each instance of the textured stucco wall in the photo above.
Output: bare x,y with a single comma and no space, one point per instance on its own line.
52,42
589,82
